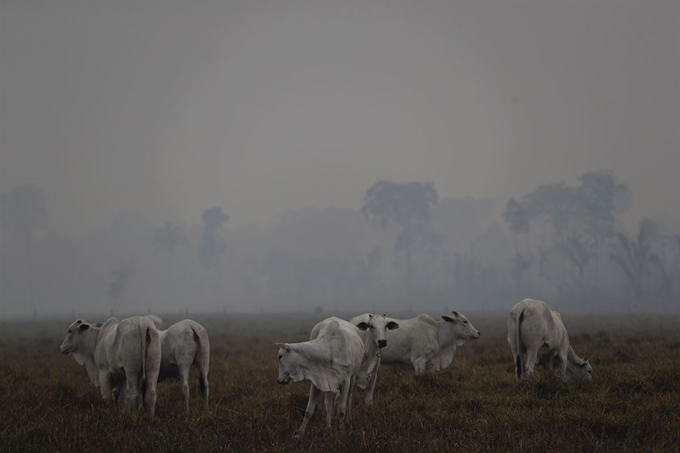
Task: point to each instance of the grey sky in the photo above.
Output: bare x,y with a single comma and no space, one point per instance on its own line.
259,106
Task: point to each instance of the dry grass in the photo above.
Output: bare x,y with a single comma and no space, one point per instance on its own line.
47,403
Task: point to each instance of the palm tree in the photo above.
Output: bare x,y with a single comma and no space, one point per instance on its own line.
168,238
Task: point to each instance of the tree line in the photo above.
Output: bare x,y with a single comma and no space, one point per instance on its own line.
402,248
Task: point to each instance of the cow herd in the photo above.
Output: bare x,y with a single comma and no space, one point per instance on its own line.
125,359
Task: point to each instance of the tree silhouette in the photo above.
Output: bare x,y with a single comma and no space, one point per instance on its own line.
168,238
635,256
22,211
517,218
409,206
579,251
603,196
558,204
210,248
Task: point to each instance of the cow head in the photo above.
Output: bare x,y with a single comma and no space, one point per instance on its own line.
285,363
580,370
463,328
75,337
376,325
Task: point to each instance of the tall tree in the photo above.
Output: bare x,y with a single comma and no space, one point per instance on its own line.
635,256
409,207
558,204
168,238
517,218
603,197
23,210
210,248
579,251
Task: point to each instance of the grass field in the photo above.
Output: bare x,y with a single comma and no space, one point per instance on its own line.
47,403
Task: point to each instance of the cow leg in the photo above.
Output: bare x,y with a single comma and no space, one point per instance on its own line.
122,394
349,398
311,405
184,374
328,404
345,394
119,394
133,386
151,396
532,358
105,384
419,365
516,352
368,393
203,382
561,359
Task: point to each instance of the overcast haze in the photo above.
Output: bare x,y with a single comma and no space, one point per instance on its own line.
260,106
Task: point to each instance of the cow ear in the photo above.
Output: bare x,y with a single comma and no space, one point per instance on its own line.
455,313
285,346
392,325
362,326
448,318
83,327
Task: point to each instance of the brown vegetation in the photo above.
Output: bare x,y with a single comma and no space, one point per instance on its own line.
633,403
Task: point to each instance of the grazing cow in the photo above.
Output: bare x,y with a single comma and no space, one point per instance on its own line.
331,360
184,344
424,344
537,330
118,351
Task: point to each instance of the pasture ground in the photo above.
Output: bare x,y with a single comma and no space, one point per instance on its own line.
47,403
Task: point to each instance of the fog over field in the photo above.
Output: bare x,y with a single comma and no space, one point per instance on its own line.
394,156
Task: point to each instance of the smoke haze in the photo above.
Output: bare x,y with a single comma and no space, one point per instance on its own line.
132,114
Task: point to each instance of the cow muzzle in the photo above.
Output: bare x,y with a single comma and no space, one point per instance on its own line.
283,381
63,349
382,343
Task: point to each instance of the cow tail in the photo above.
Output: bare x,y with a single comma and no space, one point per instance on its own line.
144,330
202,355
518,357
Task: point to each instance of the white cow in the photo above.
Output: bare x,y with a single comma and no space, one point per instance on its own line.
183,344
118,351
425,344
373,328
331,361
537,330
